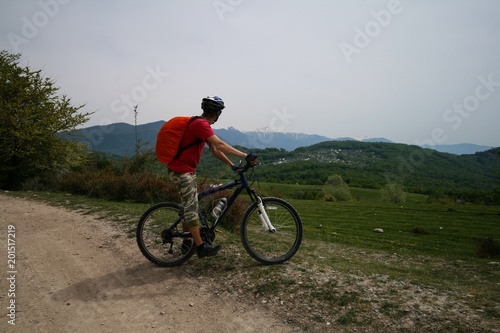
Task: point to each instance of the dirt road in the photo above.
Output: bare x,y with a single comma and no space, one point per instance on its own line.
75,273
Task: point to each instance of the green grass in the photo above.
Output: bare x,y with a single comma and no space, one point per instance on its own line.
290,191
453,232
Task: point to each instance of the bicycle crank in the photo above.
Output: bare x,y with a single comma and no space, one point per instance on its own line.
207,235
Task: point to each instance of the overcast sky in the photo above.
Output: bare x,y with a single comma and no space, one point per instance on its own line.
413,72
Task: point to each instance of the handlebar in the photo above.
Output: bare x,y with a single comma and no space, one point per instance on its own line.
250,163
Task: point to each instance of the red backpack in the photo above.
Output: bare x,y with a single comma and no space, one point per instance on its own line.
169,138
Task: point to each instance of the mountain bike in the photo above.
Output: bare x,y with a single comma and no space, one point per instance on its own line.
270,230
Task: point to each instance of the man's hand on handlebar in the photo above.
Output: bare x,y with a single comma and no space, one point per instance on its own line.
251,159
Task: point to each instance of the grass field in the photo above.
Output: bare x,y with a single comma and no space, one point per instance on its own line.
448,232
423,262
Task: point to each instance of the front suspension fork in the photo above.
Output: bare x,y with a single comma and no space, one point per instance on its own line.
264,218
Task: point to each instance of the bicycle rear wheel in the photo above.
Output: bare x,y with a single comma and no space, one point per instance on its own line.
272,247
160,244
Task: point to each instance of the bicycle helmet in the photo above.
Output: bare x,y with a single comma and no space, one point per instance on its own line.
212,104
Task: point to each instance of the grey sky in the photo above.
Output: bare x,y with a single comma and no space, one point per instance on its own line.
412,71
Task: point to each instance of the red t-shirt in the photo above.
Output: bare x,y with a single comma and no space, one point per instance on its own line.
198,129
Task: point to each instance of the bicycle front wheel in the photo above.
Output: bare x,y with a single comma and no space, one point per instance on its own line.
159,240
276,246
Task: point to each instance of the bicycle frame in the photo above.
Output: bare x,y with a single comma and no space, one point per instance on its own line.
241,183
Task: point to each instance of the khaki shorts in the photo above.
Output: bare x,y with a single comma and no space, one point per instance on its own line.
187,187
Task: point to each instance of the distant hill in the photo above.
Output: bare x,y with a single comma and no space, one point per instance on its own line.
120,139
459,149
374,164
268,139
300,158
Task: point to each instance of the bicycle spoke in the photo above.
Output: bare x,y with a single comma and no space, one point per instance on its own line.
272,247
160,244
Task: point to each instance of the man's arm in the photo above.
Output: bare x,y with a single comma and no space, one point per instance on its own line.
219,148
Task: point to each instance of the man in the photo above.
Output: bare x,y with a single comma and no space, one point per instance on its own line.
182,169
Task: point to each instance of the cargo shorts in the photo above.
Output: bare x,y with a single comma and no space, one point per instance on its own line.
188,190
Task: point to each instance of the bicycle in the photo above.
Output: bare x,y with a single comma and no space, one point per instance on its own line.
270,230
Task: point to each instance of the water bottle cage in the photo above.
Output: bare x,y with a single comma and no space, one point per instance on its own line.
219,207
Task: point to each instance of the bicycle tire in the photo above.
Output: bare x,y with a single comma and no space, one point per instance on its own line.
161,250
272,247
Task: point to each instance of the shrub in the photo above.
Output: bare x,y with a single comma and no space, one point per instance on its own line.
232,219
107,184
488,248
235,215
328,198
393,193
32,184
342,193
420,231
140,163
336,187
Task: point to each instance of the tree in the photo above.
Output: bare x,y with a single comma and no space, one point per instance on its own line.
393,193
31,115
336,187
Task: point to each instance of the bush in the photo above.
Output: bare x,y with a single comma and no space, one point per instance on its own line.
336,187
234,215
328,198
107,184
488,248
420,231
393,193
140,163
342,193
33,184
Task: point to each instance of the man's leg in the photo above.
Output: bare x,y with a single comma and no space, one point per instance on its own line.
186,184
195,232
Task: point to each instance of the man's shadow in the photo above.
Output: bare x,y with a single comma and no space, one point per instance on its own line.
120,285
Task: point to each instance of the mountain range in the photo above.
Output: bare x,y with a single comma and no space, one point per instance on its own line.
121,138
